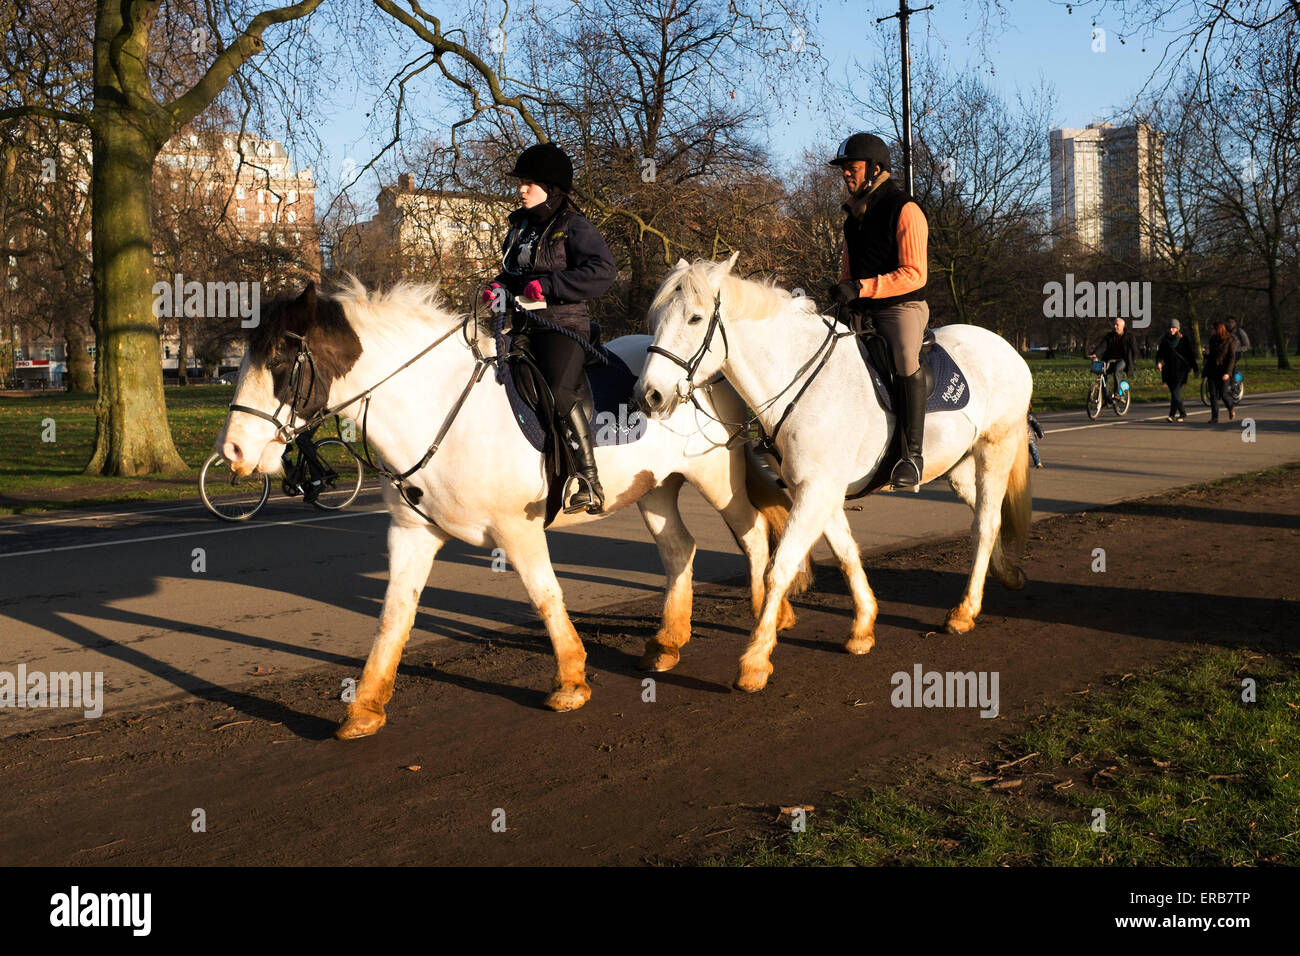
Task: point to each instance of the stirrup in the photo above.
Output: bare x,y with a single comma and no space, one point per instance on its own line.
586,497
907,473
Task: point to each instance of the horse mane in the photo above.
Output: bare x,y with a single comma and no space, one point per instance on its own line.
390,313
747,299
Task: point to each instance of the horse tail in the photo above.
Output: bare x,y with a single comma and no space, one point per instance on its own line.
767,495
1018,503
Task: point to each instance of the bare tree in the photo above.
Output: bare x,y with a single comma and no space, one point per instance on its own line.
132,90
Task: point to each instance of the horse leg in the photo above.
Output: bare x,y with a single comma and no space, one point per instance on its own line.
991,468
526,549
962,479
756,534
411,550
840,537
677,552
812,510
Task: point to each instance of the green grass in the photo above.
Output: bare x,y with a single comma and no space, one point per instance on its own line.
1063,383
1187,773
36,473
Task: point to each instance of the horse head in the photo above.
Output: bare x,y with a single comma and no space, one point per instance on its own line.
296,352
689,344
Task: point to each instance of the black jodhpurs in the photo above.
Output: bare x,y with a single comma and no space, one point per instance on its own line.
561,361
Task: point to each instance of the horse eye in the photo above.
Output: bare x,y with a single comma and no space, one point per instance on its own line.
695,319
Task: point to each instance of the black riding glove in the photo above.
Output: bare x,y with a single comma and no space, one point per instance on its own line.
843,293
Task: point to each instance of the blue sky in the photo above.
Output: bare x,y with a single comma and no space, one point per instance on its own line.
1036,40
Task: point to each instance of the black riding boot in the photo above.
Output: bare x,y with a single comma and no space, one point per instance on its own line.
911,421
588,496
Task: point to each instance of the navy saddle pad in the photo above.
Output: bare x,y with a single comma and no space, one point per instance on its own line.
615,419
950,390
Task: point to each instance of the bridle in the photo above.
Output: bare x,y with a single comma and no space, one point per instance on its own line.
285,430
688,385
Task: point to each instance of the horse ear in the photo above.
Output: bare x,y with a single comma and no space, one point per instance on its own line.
731,262
301,313
682,264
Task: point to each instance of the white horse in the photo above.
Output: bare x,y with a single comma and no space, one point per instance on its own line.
485,483
766,342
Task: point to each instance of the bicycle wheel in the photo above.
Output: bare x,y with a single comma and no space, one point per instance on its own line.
1205,391
1238,392
343,476
228,496
1123,400
1094,400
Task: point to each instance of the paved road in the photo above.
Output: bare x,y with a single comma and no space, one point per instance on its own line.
116,590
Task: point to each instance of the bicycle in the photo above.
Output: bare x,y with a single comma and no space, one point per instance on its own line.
1237,388
1100,393
234,498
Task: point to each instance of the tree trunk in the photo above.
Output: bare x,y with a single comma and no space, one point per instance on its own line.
81,373
1275,318
131,435
1193,320
182,345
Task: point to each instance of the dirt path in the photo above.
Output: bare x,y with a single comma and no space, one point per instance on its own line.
627,781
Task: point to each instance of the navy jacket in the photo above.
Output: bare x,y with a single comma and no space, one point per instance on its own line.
566,254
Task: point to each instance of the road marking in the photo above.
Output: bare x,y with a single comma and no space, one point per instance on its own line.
88,516
1159,418
189,534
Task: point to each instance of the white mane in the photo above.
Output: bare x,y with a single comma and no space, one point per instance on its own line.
392,312
699,281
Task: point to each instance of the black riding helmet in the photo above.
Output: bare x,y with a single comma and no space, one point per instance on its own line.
545,163
864,146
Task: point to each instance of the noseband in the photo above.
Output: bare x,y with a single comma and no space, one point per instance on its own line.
285,430
687,385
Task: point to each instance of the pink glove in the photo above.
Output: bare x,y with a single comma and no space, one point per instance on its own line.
490,294
534,291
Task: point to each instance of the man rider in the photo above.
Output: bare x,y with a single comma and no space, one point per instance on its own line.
883,273
1117,346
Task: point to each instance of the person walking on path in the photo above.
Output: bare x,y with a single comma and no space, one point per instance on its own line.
1220,363
1175,357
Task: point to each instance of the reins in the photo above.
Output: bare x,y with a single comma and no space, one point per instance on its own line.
304,358
766,442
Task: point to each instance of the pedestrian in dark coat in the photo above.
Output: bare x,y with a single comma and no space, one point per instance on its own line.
1175,357
1220,363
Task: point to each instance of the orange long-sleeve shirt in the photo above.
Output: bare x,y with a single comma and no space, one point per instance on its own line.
913,235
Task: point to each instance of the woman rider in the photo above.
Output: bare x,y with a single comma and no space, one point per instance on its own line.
553,253
883,273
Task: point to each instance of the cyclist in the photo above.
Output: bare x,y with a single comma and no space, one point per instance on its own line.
1117,345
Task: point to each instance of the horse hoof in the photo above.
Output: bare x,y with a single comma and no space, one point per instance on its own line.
958,624
860,645
568,698
659,658
359,725
1015,579
752,680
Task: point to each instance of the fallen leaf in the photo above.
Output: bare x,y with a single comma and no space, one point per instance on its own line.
413,767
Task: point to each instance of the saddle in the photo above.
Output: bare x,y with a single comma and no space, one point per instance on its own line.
607,402
939,368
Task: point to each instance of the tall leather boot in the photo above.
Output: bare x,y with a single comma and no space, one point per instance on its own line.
911,420
588,496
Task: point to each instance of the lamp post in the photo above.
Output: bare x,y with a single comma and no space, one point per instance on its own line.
904,11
